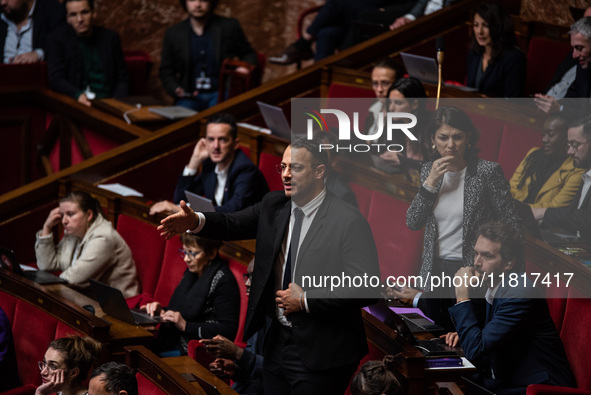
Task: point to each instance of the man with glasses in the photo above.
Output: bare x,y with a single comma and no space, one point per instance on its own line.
575,218
317,337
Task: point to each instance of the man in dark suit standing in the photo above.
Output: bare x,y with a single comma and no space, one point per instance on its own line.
24,27
219,170
576,218
85,61
305,235
193,51
518,344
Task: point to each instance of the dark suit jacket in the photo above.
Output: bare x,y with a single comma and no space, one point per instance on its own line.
245,185
339,240
519,340
571,218
176,69
504,77
65,65
47,16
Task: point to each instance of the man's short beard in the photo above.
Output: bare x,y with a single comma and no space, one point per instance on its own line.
18,15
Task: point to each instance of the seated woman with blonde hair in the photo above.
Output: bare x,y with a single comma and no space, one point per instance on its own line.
66,364
90,248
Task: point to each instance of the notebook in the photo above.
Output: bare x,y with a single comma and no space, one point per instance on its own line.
199,203
113,303
173,112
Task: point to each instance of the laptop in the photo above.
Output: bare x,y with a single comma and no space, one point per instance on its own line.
400,323
113,303
173,112
8,260
425,70
276,120
551,236
199,203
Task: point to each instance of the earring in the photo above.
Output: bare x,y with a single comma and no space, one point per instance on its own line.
433,147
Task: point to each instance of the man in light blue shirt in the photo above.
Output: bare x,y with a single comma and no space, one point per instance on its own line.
24,26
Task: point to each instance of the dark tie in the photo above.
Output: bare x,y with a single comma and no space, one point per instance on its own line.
293,246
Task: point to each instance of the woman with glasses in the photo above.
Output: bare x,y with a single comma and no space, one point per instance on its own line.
90,248
206,302
66,364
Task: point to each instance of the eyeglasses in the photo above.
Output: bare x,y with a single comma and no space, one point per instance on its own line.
191,254
294,169
575,144
247,276
51,368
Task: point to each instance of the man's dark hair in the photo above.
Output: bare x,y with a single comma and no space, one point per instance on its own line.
90,3
117,377
512,246
585,122
389,63
214,4
228,119
312,146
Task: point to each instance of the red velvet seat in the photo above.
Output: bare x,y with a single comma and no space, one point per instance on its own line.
146,387
267,166
171,272
491,135
540,66
399,248
32,331
515,143
139,64
363,196
147,248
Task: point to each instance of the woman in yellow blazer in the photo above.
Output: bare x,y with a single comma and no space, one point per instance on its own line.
546,177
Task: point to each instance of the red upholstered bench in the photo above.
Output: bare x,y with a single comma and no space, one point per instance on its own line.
147,248
32,331
267,166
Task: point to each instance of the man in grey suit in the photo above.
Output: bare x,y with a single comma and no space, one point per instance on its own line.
193,51
316,338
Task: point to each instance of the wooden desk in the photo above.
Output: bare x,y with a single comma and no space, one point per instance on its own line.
187,365
121,334
140,116
409,362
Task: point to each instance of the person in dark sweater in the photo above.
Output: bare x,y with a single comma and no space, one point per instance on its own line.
85,61
206,302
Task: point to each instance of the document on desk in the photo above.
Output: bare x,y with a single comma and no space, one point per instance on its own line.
466,365
121,189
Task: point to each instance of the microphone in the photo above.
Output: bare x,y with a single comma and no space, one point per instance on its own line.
440,47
